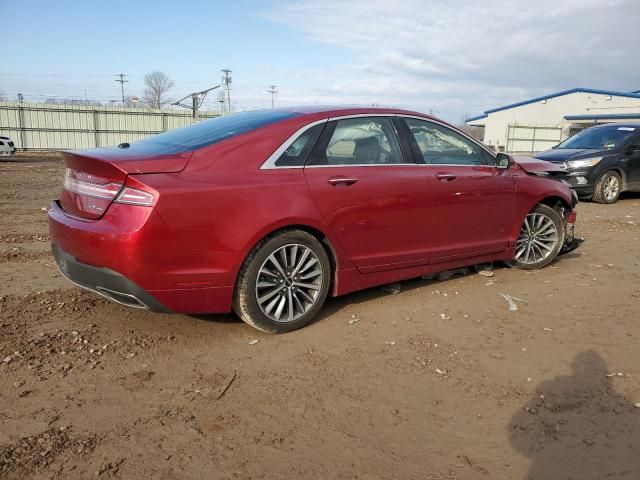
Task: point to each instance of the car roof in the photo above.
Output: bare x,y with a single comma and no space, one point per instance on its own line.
335,111
618,124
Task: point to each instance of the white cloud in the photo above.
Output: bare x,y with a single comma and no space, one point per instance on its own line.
465,56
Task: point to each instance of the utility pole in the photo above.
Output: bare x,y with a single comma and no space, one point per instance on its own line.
272,90
226,83
122,81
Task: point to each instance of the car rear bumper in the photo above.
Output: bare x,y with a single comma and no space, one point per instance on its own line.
105,282
130,257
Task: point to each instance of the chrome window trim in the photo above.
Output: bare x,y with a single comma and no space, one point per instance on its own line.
365,165
270,162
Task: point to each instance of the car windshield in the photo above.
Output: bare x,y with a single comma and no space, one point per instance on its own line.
208,132
597,138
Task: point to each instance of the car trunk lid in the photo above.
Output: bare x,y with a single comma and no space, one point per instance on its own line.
94,178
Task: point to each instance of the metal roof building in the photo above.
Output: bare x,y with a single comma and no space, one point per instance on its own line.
539,123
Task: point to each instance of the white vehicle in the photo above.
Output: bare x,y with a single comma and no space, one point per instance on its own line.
6,146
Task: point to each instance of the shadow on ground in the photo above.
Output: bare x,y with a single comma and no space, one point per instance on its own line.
578,427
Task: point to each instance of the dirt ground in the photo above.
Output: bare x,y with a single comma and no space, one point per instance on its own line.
440,381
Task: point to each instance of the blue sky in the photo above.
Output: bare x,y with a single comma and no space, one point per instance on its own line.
452,58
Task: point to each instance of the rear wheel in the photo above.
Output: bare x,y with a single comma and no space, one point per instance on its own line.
283,282
608,188
540,240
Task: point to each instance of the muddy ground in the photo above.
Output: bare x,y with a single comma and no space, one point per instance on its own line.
441,381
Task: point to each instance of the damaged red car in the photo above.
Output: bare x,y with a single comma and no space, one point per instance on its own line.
267,213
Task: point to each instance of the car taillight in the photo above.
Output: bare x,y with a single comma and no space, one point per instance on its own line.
133,196
86,195
82,184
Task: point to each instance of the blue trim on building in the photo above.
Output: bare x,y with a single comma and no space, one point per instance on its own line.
613,93
613,116
476,118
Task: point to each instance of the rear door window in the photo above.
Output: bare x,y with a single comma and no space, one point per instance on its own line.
359,141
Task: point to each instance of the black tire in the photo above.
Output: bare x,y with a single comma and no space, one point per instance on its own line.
601,194
245,302
558,221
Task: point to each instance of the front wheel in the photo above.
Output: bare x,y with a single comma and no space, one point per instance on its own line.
283,282
608,188
540,240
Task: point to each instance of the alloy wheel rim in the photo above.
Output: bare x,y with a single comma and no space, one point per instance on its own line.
538,239
289,283
611,187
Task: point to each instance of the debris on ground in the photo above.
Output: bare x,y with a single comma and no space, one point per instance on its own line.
446,274
392,288
473,464
483,267
486,273
253,342
224,390
510,300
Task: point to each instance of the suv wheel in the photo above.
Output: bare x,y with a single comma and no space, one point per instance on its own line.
540,240
283,282
608,188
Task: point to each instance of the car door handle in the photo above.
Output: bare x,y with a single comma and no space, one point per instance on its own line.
346,181
446,177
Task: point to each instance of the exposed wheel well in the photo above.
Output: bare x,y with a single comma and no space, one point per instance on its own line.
553,202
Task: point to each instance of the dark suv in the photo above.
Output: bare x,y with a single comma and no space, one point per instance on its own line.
601,161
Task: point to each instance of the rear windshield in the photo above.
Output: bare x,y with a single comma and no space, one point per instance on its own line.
208,132
598,138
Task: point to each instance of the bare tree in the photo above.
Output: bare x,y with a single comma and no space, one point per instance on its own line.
3,97
157,84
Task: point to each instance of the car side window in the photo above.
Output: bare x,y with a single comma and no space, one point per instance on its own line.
442,146
360,141
297,153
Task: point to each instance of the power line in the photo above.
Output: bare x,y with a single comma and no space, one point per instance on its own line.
272,90
197,98
122,81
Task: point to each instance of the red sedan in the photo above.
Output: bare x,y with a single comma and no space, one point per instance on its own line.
268,212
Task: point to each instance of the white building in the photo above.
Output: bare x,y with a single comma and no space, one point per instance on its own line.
539,123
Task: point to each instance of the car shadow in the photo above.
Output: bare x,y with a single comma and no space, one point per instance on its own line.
333,305
578,427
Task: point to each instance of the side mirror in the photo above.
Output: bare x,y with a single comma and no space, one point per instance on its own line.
503,161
